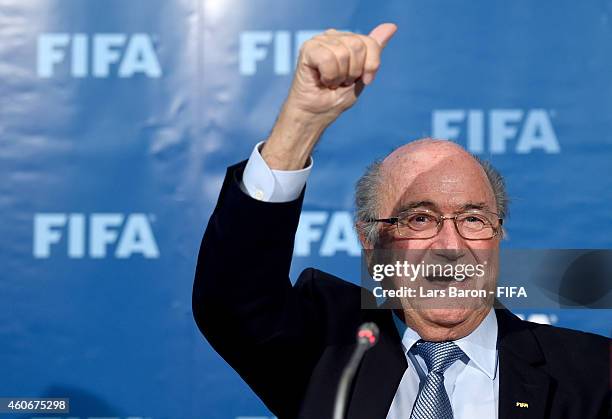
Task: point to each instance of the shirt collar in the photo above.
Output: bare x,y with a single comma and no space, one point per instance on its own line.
480,345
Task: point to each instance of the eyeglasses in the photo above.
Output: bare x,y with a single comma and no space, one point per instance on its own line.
425,224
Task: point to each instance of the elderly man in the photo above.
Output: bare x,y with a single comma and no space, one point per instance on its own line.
291,343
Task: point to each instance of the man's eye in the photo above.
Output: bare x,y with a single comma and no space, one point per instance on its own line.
420,219
475,221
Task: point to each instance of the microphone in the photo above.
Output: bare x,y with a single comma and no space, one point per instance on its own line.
367,336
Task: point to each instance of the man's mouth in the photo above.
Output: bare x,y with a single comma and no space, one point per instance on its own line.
447,278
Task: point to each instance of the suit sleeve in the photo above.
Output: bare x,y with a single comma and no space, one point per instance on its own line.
244,303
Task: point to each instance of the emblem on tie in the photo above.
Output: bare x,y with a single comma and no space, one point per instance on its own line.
522,404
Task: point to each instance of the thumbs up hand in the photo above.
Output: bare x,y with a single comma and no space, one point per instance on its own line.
332,70
334,67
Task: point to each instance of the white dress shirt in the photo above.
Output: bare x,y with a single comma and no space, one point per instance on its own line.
472,383
269,185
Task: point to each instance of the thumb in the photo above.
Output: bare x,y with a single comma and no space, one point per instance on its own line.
383,33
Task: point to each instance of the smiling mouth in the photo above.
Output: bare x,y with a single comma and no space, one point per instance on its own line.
447,278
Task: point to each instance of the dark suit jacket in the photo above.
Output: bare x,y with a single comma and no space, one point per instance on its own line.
290,343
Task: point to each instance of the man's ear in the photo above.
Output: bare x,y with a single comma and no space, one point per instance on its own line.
359,226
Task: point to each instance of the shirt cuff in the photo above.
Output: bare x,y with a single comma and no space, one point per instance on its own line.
265,184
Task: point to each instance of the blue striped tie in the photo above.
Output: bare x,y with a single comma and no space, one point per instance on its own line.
432,401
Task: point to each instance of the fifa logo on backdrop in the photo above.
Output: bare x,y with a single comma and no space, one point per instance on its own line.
326,234
284,47
497,131
99,55
95,235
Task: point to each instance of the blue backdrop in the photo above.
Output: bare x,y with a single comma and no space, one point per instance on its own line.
118,118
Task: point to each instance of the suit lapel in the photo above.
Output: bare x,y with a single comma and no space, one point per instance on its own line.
524,390
381,371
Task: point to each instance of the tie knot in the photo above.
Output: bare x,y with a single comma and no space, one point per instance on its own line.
438,356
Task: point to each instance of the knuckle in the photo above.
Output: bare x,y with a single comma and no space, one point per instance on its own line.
355,44
309,44
331,42
325,53
371,45
342,56
328,66
328,72
355,73
316,41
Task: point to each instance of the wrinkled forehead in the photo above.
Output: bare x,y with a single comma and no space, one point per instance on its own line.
442,174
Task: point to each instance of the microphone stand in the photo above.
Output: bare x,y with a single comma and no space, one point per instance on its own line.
367,336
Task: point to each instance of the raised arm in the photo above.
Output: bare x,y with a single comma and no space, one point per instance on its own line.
243,300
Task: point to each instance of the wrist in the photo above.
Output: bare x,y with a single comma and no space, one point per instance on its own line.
293,138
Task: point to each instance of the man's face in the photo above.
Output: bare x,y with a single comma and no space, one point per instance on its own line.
442,179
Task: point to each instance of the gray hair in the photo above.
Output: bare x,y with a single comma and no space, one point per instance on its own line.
368,187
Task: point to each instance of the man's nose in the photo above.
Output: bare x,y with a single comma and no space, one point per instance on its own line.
448,243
